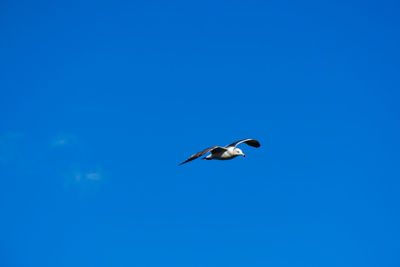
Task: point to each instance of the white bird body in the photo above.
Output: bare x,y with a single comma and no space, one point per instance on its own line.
224,153
230,153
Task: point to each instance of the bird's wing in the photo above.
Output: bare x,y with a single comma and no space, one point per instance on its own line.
213,149
250,142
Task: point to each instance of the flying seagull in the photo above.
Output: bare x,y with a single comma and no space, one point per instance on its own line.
223,153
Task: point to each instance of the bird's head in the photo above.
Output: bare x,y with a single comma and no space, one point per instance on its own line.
239,152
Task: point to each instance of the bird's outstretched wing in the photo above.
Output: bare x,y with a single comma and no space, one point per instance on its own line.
213,149
250,142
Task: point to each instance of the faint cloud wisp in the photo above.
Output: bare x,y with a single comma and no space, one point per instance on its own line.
93,176
83,179
63,140
80,172
82,176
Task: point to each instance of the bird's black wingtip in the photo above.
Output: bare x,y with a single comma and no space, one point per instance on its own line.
253,143
186,161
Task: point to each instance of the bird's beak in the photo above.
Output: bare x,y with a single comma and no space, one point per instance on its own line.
243,155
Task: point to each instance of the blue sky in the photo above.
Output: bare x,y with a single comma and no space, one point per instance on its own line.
101,100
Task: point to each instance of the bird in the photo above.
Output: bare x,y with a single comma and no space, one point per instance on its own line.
224,153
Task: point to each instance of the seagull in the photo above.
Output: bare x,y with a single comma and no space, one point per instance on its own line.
224,153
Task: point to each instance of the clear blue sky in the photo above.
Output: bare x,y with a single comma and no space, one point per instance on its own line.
101,100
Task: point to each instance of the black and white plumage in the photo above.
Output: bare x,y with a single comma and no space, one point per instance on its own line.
224,153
